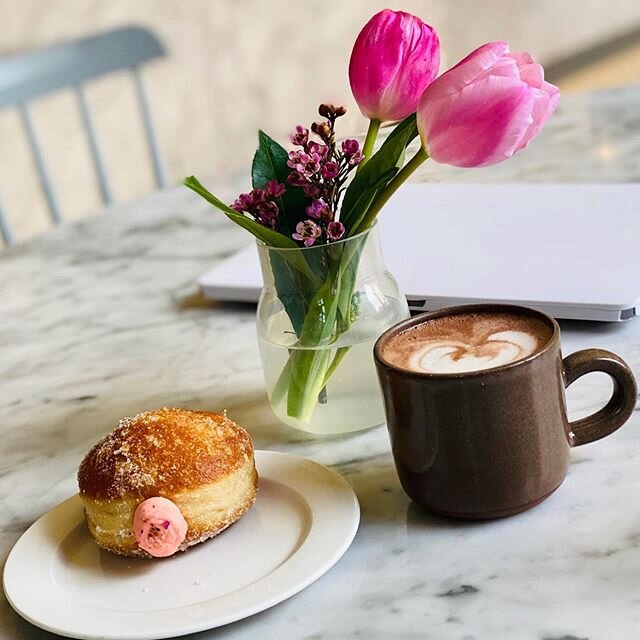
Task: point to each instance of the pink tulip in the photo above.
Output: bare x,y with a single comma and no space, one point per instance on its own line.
487,107
395,57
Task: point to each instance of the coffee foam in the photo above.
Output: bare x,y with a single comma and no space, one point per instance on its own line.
466,342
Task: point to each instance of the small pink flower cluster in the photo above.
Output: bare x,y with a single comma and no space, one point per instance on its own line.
320,169
260,203
323,218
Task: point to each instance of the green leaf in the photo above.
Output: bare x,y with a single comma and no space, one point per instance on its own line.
268,236
377,172
293,289
270,163
362,204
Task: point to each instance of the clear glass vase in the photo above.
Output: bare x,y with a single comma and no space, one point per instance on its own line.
320,312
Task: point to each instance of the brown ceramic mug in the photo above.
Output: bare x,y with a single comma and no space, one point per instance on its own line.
492,442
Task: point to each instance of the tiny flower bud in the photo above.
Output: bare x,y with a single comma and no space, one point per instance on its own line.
356,159
275,189
329,170
331,111
319,210
321,129
315,208
267,214
322,150
244,202
335,230
296,179
350,147
300,136
258,196
307,232
311,190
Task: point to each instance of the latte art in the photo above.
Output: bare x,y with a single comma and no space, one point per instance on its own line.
445,356
467,342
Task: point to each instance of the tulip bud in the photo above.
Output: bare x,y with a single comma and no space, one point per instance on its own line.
395,58
486,108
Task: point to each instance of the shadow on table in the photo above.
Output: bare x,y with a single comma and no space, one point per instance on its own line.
191,298
418,517
382,498
13,627
589,326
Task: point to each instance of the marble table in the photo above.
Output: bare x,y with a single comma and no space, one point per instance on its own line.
101,319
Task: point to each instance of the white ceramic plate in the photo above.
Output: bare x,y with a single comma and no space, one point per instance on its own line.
303,521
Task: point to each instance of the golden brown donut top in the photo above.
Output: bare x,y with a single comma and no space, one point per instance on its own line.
158,453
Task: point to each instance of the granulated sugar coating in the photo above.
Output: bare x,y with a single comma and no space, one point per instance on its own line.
159,452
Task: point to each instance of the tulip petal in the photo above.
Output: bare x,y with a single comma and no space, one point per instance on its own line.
417,68
395,57
533,75
545,101
480,125
468,69
505,67
368,74
522,58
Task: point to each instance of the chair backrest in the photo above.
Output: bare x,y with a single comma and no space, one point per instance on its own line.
71,65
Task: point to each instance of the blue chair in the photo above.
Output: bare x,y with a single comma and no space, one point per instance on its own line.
71,65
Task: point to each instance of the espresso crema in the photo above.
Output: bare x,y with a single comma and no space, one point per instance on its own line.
466,342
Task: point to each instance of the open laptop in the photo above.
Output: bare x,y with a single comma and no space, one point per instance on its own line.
571,250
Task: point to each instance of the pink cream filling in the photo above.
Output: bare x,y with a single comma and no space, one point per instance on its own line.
159,527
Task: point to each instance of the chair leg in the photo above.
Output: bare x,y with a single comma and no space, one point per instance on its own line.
94,147
159,170
5,229
41,167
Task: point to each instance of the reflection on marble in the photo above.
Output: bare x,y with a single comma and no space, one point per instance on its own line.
100,320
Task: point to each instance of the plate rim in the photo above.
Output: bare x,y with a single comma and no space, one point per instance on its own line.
300,581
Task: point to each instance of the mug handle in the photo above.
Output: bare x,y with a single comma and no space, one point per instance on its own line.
621,404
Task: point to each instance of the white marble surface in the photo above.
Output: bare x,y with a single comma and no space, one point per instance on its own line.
100,320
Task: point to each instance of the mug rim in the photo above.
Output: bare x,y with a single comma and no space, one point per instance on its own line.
490,307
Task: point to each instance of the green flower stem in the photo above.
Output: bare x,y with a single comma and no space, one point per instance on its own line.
310,362
369,141
330,314
341,352
306,381
385,195
345,312
282,383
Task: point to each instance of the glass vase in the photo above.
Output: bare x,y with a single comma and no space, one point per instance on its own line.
320,312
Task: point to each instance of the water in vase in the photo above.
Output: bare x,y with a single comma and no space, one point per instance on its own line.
351,399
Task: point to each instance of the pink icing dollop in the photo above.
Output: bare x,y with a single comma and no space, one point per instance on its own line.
159,527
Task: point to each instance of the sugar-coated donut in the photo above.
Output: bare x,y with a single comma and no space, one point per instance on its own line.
181,476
